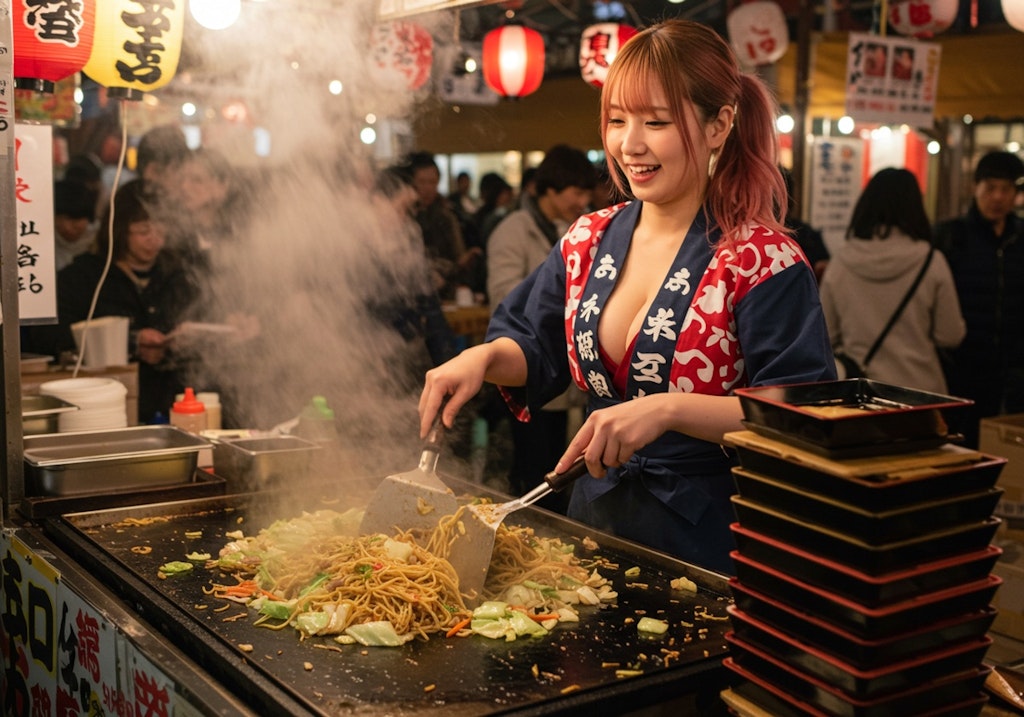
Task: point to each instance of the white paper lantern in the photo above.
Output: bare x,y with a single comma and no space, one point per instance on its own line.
922,18
1013,11
598,46
758,32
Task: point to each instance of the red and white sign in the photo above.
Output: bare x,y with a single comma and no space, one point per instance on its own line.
33,194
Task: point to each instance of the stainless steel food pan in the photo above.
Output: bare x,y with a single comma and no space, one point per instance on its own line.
110,460
257,462
40,414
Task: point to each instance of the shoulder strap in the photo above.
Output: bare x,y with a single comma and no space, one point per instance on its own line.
899,309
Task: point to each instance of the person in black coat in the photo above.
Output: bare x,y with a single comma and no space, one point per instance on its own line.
985,250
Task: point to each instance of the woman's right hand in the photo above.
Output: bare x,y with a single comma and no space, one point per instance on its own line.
458,379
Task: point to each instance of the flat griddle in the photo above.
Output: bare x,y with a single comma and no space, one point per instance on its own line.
570,670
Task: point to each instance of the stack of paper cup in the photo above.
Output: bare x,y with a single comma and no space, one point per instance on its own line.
106,341
101,403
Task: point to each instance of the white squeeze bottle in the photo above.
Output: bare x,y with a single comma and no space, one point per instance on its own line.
189,414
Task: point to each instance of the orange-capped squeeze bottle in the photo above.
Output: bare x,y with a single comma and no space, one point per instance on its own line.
188,414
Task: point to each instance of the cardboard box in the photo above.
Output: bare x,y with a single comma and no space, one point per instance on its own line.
1004,436
1009,598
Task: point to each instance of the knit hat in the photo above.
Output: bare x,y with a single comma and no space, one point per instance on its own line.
1000,165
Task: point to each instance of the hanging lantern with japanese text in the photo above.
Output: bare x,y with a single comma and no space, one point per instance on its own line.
758,33
137,45
1013,11
401,55
513,60
598,47
52,40
922,18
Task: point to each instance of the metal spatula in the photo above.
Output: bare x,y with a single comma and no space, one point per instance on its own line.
414,500
471,551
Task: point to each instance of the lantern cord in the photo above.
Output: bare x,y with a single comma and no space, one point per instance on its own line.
123,111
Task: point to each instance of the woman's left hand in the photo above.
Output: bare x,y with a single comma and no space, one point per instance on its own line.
610,436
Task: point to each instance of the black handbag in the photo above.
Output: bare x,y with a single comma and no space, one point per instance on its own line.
849,367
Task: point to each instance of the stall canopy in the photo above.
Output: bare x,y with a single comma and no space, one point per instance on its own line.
977,77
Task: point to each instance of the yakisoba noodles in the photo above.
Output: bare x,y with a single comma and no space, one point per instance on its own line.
518,555
308,565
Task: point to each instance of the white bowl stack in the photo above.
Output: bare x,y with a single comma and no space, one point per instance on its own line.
101,403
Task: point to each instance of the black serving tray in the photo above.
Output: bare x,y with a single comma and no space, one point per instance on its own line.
870,590
870,623
878,483
873,527
759,700
786,693
858,554
855,414
856,681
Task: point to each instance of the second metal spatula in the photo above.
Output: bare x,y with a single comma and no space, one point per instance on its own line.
471,551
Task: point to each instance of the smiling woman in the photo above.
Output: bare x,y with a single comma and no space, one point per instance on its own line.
691,138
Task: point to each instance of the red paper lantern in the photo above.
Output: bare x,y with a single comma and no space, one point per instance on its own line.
922,18
513,60
402,54
598,47
51,41
758,32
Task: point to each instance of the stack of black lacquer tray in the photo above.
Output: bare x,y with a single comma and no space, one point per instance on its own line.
863,582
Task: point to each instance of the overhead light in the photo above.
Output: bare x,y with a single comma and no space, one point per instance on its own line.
215,14
465,64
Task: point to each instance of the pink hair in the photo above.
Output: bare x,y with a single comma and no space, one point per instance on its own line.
699,75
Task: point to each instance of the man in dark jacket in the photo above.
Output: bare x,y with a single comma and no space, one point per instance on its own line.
985,250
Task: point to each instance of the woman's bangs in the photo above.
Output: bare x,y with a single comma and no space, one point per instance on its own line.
631,90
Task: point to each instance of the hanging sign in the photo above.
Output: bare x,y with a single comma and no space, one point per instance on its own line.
835,180
892,80
33,194
460,87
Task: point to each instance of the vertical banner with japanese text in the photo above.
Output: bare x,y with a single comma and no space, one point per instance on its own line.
33,168
892,80
836,179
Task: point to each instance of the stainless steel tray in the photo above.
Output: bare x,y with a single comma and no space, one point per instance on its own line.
39,414
110,460
259,462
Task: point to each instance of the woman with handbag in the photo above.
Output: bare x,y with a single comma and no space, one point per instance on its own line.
888,296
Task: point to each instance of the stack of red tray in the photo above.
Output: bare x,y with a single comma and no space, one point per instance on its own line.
863,582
